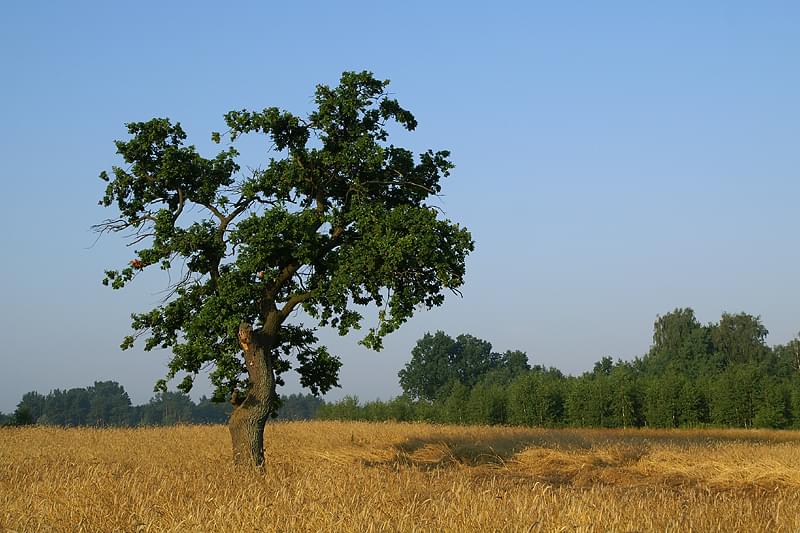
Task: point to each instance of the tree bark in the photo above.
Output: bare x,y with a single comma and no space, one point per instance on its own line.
249,416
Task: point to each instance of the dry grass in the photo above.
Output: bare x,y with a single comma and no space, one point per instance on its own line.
330,476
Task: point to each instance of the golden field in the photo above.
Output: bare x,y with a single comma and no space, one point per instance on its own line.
345,476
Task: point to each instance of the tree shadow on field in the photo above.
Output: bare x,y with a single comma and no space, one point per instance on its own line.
581,457
443,451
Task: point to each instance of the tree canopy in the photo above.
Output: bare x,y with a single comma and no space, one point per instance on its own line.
337,219
438,362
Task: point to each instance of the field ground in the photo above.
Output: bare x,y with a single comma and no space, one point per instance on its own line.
344,476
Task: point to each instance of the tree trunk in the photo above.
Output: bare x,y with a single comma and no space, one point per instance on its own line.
249,416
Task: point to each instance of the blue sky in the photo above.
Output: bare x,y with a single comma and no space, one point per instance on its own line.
615,160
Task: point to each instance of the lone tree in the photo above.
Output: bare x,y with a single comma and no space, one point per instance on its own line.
337,220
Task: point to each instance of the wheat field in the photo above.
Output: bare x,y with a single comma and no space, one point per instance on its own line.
345,476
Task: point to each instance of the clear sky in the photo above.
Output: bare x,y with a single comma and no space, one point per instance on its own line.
615,160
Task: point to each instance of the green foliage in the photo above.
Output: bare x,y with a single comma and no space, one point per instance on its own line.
438,360
336,220
740,338
775,408
609,396
30,408
167,409
672,387
455,397
429,369
682,344
514,362
783,360
736,395
299,407
208,411
693,376
538,398
589,401
107,404
23,416
399,409
626,396
347,408
670,401
794,387
487,404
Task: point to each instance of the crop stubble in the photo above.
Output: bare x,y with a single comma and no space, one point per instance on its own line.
348,476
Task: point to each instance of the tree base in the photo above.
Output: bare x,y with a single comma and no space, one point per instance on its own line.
246,426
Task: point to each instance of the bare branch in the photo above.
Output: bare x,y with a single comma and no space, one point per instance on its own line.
139,238
403,182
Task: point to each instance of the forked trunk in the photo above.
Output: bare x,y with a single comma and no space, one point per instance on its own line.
249,416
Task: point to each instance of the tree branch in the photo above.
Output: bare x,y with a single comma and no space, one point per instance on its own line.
293,302
216,212
284,275
181,202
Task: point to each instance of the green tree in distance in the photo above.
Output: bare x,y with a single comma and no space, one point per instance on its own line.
429,369
336,220
680,343
109,404
33,405
438,360
740,338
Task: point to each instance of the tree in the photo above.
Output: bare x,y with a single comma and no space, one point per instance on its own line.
583,405
209,412
487,404
737,394
794,399
785,359
681,343
31,407
537,398
626,402
472,359
299,407
167,408
740,338
794,353
68,408
775,408
348,408
454,397
515,362
429,369
109,404
664,402
338,219
23,416
437,360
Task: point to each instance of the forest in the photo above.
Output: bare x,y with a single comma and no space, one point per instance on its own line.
719,374
106,404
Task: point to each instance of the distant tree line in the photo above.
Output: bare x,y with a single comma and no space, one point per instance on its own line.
721,374
106,404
